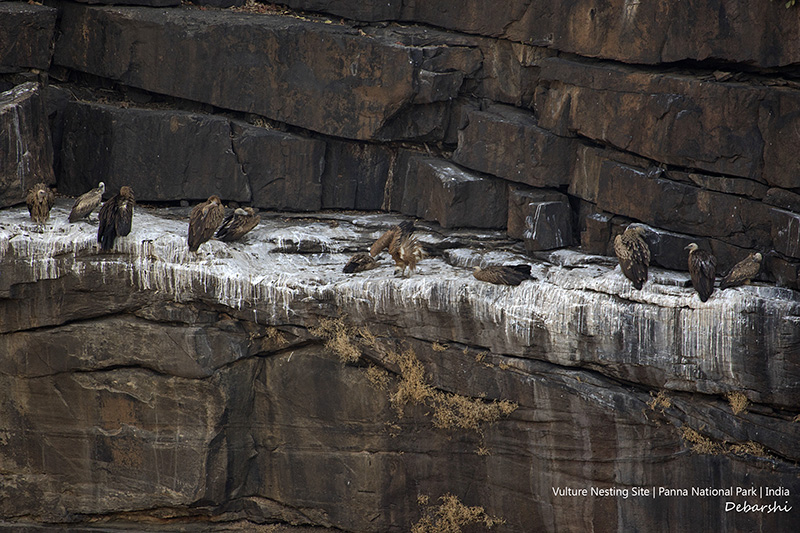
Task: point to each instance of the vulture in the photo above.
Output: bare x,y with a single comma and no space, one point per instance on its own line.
87,202
503,274
702,268
393,237
40,199
406,252
633,255
359,263
115,217
742,272
403,247
237,224
204,220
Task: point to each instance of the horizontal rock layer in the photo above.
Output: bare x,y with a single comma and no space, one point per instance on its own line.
248,414
752,34
27,32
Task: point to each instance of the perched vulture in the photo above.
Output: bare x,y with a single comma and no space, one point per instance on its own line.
87,202
503,274
204,220
359,263
392,237
633,255
702,268
237,224
116,217
742,272
406,252
40,199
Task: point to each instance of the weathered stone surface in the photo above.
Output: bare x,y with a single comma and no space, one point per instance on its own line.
355,175
786,232
784,199
738,33
596,233
361,81
246,414
437,190
536,157
366,10
509,73
26,36
152,3
727,128
649,198
162,154
26,152
542,219
284,170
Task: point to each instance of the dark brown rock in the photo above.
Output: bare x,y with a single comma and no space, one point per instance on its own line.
749,34
228,407
26,36
647,197
26,152
355,175
362,81
786,232
596,234
542,219
536,157
284,170
509,73
443,192
728,128
153,3
784,199
163,154
366,10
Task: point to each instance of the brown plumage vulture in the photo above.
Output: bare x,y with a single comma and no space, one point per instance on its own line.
87,202
393,236
742,272
703,269
116,217
406,252
40,200
237,224
359,263
503,274
204,220
633,254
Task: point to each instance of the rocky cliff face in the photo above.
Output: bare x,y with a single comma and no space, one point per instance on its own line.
256,386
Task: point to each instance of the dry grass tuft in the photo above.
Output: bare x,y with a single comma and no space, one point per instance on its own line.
378,377
440,347
276,335
738,401
796,418
339,338
451,515
701,443
750,448
456,411
660,401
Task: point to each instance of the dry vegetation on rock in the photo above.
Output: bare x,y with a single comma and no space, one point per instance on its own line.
450,516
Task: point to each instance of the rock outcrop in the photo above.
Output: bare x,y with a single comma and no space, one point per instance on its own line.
285,388
254,385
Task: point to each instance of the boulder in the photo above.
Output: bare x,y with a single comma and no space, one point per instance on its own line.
284,170
163,154
542,219
442,192
26,36
536,157
361,81
26,151
355,175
